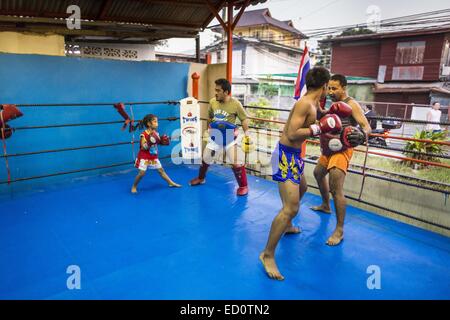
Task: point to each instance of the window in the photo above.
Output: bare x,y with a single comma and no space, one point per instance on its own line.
447,54
410,52
219,56
407,73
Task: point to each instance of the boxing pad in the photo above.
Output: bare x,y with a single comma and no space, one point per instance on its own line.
154,138
222,132
335,144
353,137
9,112
342,109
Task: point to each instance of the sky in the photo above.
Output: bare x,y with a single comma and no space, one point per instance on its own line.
307,14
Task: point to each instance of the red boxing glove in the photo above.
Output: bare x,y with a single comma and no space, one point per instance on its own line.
342,109
331,123
165,140
9,112
120,107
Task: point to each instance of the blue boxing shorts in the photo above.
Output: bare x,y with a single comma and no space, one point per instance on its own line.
287,164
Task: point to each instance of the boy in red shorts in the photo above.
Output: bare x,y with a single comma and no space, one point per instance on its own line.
148,154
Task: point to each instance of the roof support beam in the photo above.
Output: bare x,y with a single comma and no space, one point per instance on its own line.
238,17
216,13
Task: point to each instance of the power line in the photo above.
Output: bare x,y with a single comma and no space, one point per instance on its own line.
323,7
424,21
433,17
382,21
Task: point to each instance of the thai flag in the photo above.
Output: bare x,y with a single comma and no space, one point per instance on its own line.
300,84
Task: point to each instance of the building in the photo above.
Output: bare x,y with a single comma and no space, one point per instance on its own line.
254,57
409,66
261,45
260,24
178,57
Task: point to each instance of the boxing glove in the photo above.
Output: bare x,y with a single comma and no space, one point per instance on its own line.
331,123
9,112
247,144
342,109
164,140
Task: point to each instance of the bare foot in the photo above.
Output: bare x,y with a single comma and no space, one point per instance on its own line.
293,230
336,238
270,266
321,208
133,190
174,185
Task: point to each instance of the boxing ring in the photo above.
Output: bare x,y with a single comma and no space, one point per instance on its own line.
189,243
200,242
203,243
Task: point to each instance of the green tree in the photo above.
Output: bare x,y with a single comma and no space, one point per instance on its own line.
425,147
356,31
267,114
268,88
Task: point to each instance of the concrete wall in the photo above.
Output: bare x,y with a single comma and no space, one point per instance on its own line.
37,79
117,51
21,43
423,204
208,74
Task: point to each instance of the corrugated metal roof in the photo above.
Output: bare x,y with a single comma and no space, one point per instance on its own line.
190,16
439,87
